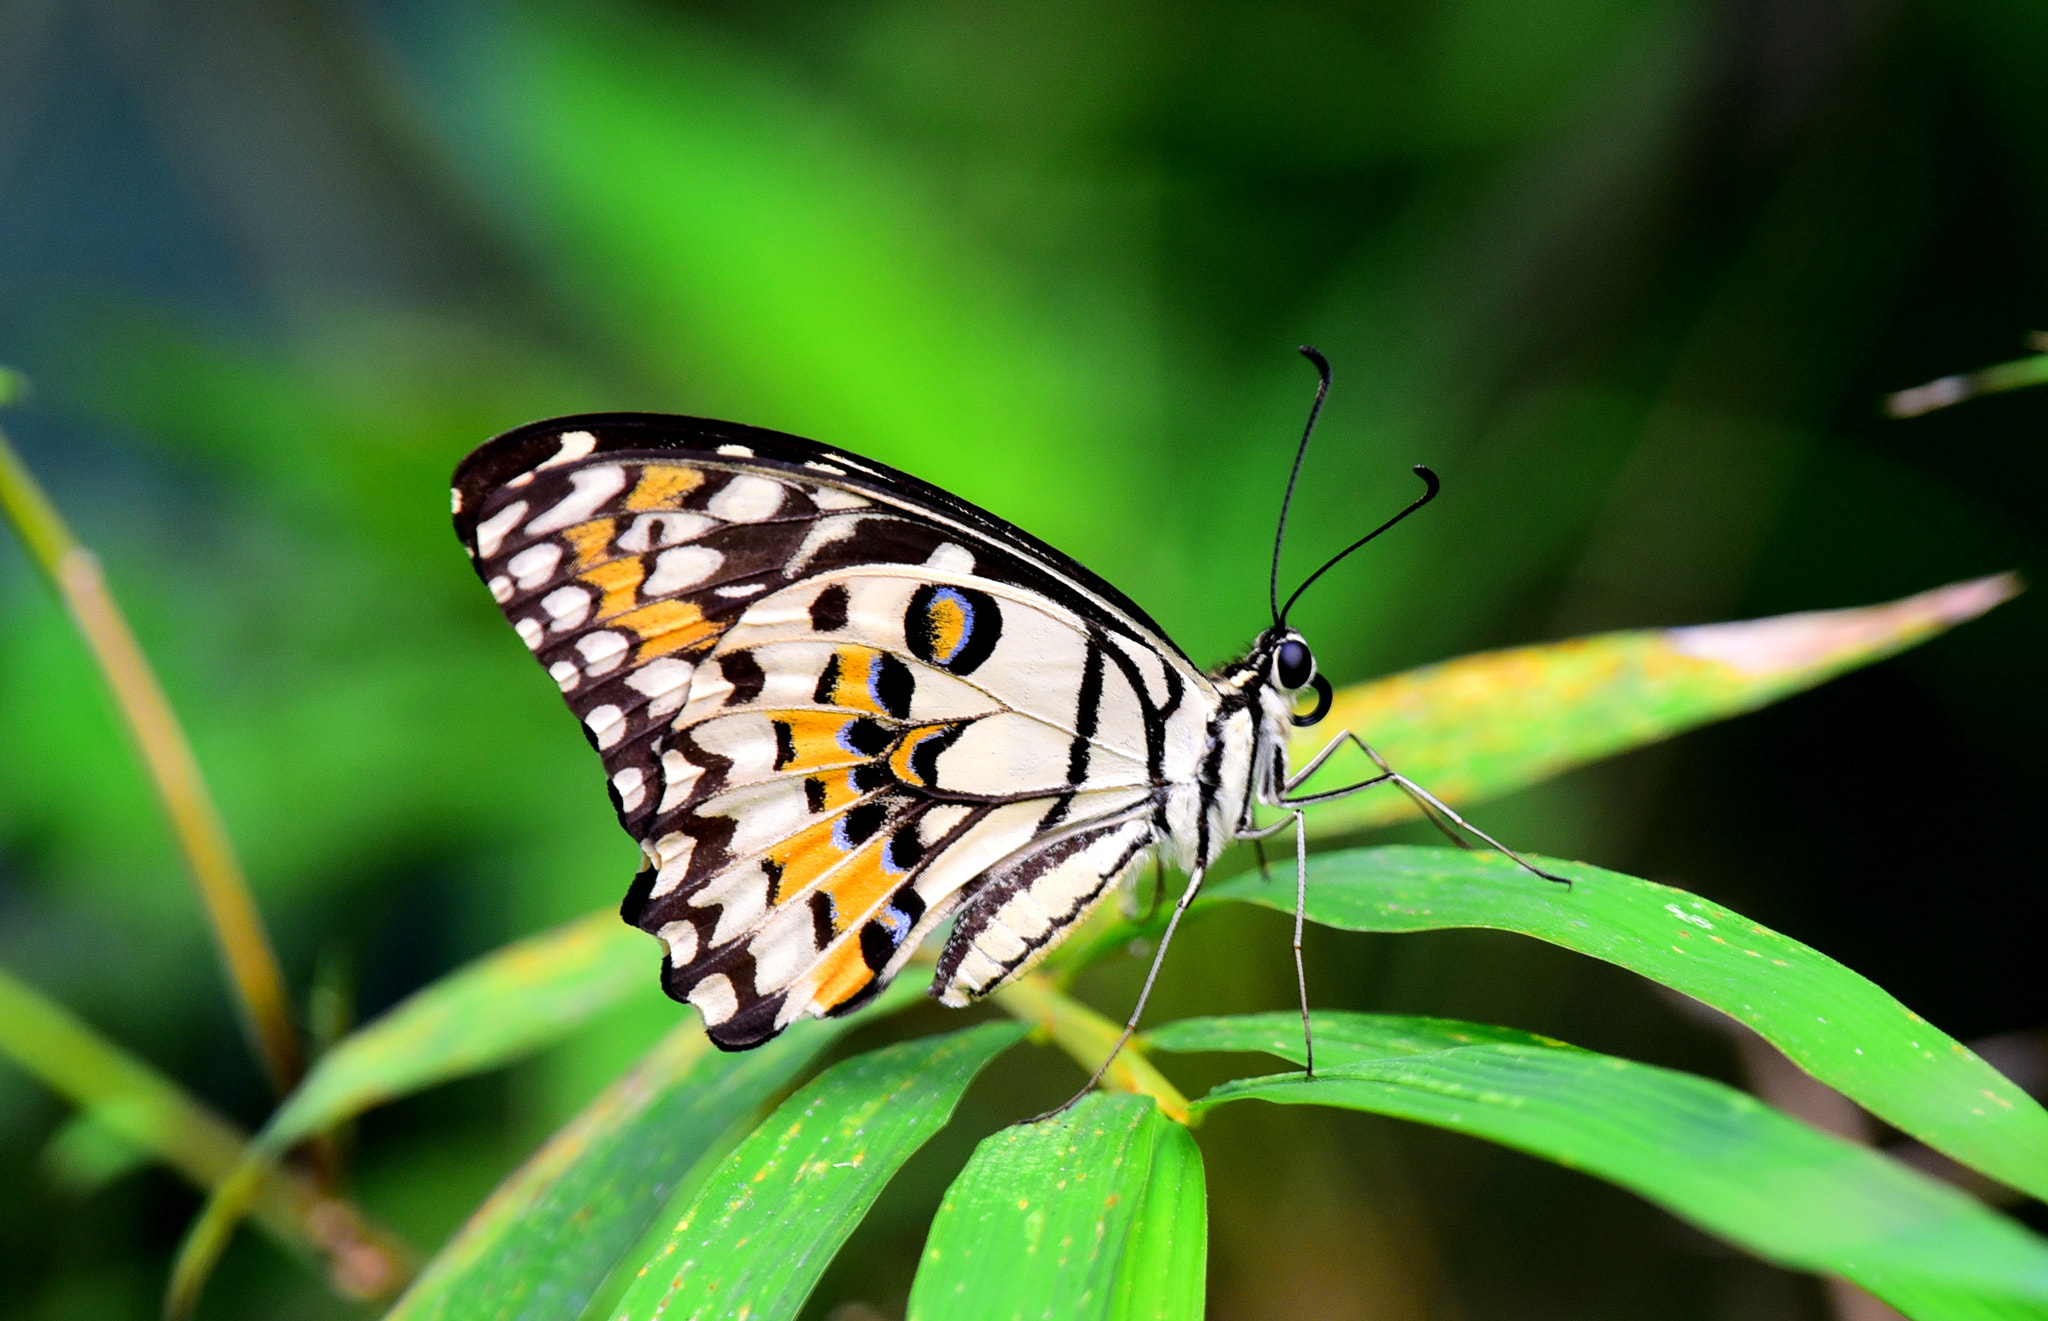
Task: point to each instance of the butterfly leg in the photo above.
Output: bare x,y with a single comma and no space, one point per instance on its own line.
1430,805
1187,897
1308,1040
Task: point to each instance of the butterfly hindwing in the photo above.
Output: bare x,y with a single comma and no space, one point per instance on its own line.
834,705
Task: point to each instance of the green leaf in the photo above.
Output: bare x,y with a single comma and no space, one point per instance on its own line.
766,1224
495,1010
1097,1212
1485,725
1840,1027
1707,1152
546,1240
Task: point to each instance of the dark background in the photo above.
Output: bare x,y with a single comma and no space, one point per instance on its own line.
1632,275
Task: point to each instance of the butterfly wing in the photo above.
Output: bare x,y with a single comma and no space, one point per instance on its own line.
834,704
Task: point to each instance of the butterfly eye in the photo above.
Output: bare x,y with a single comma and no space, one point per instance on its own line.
1293,665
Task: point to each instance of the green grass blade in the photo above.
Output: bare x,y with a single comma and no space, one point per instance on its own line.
1705,1151
1097,1213
497,1009
766,1224
1835,1024
1485,725
546,1240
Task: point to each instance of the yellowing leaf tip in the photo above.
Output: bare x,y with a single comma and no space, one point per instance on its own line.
1786,644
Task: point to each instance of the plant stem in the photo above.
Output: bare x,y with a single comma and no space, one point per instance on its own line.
2014,375
238,932
156,1115
1087,1036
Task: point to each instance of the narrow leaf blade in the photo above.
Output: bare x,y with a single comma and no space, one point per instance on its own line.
1837,1025
1707,1152
1096,1213
766,1224
1485,725
498,1009
546,1240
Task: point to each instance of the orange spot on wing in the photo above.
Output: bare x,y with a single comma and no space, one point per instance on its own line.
590,540
840,975
620,583
861,884
949,626
804,857
814,736
899,757
666,626
662,486
850,680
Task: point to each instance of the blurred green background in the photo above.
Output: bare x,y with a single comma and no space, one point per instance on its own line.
1632,275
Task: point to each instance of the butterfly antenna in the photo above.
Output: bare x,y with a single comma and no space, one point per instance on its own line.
1430,487
1301,452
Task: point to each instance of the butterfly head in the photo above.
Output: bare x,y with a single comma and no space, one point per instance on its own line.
1283,665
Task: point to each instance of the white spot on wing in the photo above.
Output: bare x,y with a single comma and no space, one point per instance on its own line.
714,999
664,682
454,499
831,497
501,589
602,651
653,531
949,558
607,724
744,589
783,950
747,499
747,739
736,451
529,632
672,857
490,534
822,534
565,674
685,566
741,894
681,939
536,564
575,444
591,487
1000,943
567,607
630,783
678,776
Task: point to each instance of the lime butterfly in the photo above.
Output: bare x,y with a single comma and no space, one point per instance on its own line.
838,707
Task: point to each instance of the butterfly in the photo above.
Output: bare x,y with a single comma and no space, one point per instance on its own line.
838,707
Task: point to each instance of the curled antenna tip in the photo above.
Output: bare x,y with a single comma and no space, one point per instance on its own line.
1314,355
1429,481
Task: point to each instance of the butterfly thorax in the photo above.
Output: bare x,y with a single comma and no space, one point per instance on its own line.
1244,756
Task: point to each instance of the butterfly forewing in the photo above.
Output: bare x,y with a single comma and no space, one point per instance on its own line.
834,705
